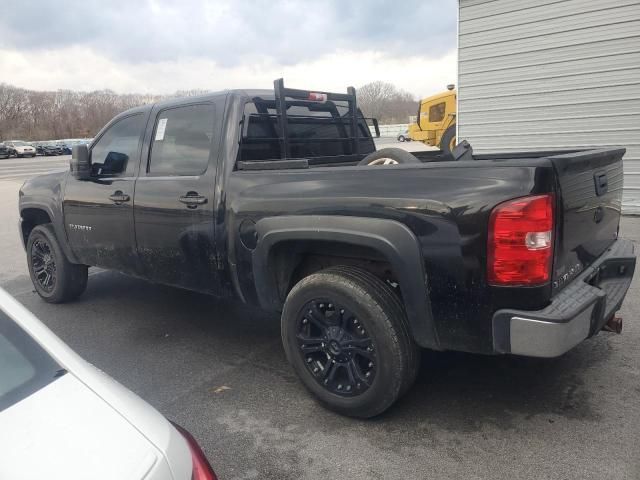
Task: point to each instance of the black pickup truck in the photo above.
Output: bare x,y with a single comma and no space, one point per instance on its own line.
280,199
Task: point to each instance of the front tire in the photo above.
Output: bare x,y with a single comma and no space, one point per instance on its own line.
344,332
55,279
448,140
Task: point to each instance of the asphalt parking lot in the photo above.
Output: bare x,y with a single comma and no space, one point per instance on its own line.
218,369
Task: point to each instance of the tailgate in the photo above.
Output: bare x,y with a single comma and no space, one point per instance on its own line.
590,199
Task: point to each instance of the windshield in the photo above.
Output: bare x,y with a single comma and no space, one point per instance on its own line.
19,144
25,367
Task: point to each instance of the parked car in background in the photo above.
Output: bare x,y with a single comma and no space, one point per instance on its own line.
19,148
4,151
49,149
61,417
404,136
67,144
38,147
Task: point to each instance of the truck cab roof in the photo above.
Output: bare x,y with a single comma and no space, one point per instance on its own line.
438,96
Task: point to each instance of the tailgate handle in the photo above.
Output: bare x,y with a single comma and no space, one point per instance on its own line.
602,184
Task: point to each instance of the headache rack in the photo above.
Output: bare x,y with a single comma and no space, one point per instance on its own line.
348,124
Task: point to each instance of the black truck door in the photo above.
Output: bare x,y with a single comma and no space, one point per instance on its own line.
99,212
174,199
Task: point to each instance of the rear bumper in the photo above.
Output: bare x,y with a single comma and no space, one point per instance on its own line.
579,311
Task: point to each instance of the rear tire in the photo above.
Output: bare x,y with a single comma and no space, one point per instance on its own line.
55,279
344,332
414,352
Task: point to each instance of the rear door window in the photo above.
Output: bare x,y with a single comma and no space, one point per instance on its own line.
182,140
25,367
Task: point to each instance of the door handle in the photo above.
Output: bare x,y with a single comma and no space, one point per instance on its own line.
118,197
193,199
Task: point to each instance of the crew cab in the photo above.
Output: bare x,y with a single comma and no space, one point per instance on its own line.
280,199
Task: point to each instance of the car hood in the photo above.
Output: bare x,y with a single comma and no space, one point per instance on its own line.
67,431
71,406
24,147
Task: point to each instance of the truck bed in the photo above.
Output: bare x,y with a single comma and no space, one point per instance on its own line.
446,204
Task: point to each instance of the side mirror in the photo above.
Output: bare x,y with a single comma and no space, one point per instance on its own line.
80,164
114,163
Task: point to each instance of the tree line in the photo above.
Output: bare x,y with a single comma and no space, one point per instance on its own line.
48,115
41,115
35,115
386,102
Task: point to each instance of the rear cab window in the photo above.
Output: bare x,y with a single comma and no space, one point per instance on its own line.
25,367
315,130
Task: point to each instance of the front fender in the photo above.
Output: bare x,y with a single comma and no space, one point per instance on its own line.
393,240
46,193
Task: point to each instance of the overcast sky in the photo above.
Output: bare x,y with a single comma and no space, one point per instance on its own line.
159,46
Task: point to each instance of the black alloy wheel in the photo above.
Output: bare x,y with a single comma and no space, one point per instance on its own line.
337,350
54,277
345,334
43,265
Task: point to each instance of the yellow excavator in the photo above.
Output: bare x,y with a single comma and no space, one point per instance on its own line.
436,122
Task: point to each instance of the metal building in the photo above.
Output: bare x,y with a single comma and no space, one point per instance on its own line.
550,73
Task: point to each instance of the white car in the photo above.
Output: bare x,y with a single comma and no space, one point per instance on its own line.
62,418
404,136
20,148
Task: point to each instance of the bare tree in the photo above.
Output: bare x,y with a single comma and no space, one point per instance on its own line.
12,100
386,102
34,115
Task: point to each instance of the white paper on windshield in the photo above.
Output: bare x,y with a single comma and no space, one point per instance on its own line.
162,126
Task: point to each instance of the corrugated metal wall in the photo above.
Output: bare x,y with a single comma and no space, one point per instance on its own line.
549,73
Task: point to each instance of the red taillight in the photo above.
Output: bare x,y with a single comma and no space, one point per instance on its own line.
317,97
201,468
520,246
